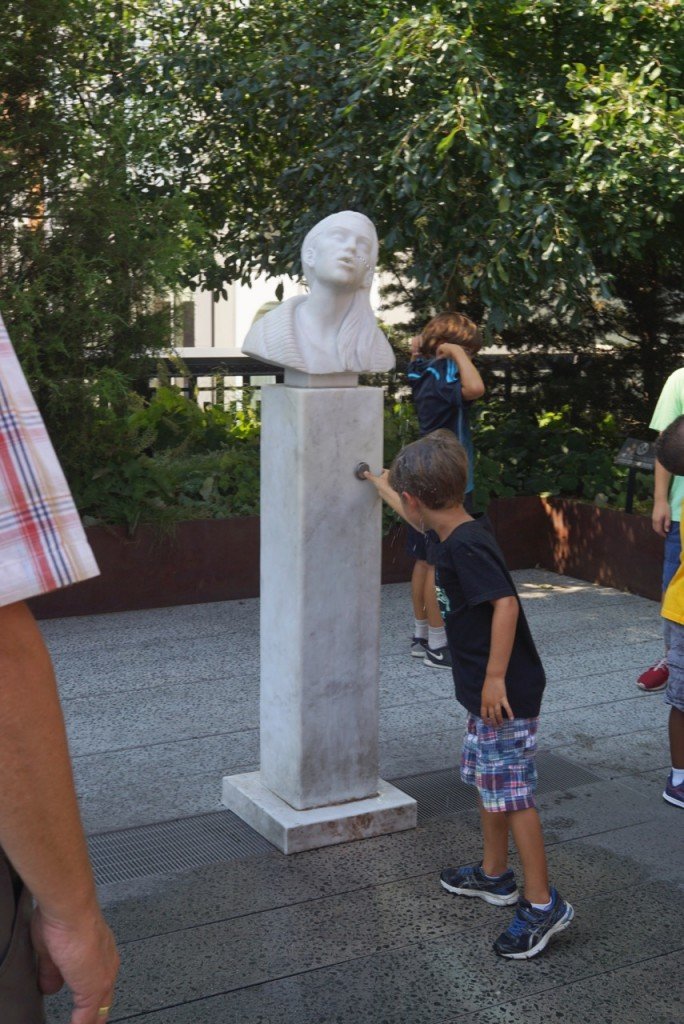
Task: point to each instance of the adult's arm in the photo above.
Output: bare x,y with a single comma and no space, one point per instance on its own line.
40,826
661,516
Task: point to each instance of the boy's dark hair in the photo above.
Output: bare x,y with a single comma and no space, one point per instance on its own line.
433,469
450,329
670,447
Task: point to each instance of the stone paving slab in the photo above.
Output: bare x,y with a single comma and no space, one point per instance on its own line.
599,657
626,753
161,704
137,652
239,888
176,711
607,998
405,952
587,1000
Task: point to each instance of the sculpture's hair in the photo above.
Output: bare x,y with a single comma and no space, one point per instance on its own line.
433,469
670,447
359,326
450,329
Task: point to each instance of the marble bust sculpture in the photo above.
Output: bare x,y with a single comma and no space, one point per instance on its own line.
333,328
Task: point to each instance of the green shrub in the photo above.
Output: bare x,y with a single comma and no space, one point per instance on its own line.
167,459
527,452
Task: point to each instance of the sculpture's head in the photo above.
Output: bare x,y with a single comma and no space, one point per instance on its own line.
341,251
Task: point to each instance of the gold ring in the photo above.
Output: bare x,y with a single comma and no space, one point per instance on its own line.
103,1011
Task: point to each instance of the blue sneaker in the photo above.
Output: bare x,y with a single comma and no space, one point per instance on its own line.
530,930
673,794
470,880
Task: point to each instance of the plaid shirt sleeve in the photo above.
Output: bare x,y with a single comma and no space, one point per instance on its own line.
42,543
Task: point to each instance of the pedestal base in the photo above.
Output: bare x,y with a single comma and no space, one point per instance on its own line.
293,831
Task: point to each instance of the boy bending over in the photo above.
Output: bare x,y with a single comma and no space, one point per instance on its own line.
499,679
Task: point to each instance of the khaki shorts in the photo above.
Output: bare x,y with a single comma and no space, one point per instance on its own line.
20,1000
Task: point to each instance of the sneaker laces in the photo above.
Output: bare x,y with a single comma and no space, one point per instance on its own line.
526,915
519,923
659,664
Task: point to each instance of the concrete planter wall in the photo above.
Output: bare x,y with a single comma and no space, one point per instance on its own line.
218,560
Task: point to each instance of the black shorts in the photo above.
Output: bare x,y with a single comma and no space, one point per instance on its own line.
421,546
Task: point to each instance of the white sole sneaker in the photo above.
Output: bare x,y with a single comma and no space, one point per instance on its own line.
489,897
559,926
436,664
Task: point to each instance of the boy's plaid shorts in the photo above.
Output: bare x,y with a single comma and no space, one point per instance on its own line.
500,761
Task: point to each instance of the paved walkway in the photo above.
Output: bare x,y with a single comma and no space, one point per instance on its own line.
160,705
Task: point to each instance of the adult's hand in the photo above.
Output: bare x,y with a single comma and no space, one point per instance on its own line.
661,517
80,954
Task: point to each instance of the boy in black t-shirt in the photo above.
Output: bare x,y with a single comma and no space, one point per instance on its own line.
499,679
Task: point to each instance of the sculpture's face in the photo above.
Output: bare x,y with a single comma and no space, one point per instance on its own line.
342,255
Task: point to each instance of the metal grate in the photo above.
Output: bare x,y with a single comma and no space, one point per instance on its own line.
168,847
441,793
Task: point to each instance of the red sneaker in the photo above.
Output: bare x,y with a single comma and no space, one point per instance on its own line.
654,678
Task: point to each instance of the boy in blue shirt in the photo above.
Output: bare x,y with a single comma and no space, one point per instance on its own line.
444,382
499,679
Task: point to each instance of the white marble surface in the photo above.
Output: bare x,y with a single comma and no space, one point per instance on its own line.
293,831
299,379
332,329
320,594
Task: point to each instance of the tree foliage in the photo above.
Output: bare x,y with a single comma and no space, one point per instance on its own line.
522,159
91,236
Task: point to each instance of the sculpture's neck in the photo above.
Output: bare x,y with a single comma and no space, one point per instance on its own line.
323,313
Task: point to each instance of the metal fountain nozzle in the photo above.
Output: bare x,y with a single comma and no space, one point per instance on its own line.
361,468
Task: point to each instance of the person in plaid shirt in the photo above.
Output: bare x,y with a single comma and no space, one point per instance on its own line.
43,852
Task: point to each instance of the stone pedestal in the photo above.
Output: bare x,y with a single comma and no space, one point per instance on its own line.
320,625
293,831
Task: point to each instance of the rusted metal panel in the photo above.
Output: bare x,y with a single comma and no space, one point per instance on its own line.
218,559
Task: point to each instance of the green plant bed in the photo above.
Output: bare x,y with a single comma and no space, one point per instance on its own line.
167,460
528,452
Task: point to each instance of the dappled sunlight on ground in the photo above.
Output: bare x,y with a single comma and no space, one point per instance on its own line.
531,590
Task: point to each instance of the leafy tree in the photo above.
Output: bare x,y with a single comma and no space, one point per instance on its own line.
522,159
90,236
